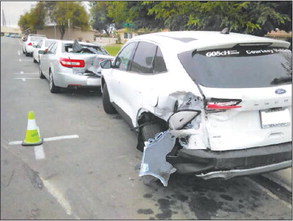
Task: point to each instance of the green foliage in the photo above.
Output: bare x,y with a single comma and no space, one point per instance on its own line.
29,21
64,14
248,17
100,19
69,14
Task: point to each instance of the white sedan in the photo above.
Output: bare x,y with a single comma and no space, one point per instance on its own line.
42,45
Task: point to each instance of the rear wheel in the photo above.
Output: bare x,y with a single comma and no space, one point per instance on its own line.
148,130
53,87
40,72
108,107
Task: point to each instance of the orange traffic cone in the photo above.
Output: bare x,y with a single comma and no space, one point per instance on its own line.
32,135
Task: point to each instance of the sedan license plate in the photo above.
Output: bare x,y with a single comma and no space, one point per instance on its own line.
275,118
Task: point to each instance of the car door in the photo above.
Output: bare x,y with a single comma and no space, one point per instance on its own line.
138,84
46,59
117,75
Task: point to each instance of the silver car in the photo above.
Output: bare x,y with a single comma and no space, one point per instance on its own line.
72,64
42,45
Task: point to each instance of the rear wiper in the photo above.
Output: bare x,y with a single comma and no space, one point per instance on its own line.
282,80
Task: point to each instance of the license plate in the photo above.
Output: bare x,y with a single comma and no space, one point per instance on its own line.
275,118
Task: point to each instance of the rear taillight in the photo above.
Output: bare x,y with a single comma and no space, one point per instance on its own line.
71,63
222,104
29,44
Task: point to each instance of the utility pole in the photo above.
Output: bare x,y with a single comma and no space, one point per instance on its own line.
3,18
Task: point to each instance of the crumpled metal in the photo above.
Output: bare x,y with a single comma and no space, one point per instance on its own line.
154,157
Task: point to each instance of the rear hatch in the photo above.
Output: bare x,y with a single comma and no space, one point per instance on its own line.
247,94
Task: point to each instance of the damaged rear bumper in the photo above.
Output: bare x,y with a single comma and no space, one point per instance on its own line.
227,164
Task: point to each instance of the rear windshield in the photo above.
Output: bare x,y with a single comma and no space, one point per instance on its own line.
47,43
35,38
84,49
243,67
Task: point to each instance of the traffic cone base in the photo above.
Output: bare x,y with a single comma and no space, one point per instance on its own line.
32,135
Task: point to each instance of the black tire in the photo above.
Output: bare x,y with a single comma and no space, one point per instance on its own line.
27,54
42,76
108,107
147,131
53,87
35,61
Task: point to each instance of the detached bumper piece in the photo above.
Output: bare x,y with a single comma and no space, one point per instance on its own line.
228,164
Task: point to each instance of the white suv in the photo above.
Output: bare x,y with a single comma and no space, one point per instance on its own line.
223,100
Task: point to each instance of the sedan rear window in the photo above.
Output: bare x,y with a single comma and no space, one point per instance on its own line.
84,49
34,38
242,67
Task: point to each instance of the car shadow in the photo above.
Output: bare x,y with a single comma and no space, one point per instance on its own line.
81,92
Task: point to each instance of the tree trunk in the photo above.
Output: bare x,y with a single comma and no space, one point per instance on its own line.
62,31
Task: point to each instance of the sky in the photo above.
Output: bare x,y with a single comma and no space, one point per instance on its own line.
14,9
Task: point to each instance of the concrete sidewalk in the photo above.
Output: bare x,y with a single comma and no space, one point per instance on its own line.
281,177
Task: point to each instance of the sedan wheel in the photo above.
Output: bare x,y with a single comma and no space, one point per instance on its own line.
40,72
108,107
53,88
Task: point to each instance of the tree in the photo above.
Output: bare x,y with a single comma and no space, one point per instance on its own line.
64,14
34,19
248,17
100,20
68,14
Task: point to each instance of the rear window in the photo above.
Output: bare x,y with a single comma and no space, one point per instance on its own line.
84,49
35,38
242,67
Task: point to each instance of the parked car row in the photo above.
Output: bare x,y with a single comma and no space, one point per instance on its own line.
206,103
66,64
212,104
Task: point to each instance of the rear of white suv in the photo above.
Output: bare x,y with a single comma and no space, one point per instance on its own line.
238,85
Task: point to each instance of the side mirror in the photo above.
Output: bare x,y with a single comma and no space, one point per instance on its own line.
107,64
181,118
43,51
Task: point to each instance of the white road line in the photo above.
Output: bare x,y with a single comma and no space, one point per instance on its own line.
58,196
25,60
24,79
15,142
18,52
48,139
39,152
30,73
268,192
61,138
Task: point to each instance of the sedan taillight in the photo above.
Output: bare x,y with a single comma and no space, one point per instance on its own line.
222,104
29,44
71,63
